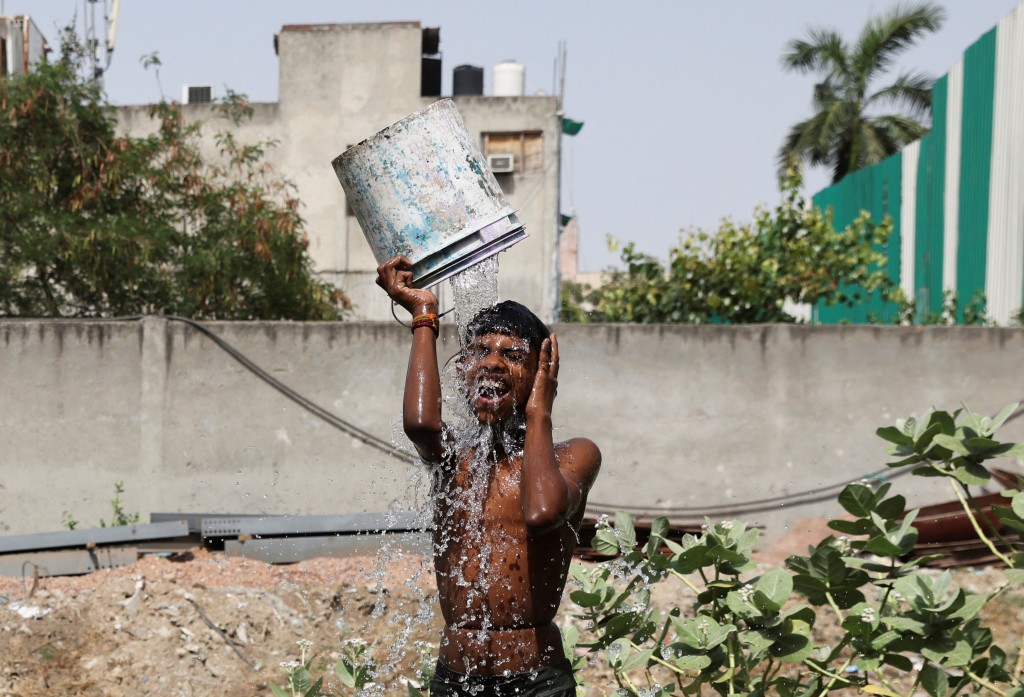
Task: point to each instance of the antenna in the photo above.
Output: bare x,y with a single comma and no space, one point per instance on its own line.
115,11
100,61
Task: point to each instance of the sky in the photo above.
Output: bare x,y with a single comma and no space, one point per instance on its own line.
685,103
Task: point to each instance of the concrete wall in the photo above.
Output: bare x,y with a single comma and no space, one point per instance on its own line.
688,418
339,84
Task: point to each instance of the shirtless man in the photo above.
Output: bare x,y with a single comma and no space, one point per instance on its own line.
506,506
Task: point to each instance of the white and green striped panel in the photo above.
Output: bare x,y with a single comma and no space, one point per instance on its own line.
961,188
1004,269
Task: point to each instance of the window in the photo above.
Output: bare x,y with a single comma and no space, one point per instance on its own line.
525,147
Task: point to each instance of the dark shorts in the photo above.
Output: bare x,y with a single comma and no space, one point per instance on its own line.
553,681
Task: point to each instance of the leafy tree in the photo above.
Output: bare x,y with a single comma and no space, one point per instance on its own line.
746,273
99,224
846,131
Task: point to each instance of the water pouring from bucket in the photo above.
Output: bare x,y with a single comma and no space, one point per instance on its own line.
422,189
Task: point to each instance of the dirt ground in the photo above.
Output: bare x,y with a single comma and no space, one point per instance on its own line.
201,624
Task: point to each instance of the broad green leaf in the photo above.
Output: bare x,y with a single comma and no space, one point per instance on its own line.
857,499
776,584
743,608
985,445
1002,416
906,624
952,443
971,606
605,542
1014,575
923,442
344,674
692,662
791,648
314,689
892,508
278,692
1018,504
301,679
756,641
625,532
972,474
674,547
934,681
894,435
900,661
586,599
719,634
884,639
849,527
948,653
659,529
617,653
802,613
637,659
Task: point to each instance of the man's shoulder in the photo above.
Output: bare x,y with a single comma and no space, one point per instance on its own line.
581,454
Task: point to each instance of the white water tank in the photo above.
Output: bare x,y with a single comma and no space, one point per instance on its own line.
509,79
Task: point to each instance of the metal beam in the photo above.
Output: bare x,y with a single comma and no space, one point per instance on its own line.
94,536
69,562
274,525
195,520
296,549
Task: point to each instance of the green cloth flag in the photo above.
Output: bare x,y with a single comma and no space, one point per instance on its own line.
570,127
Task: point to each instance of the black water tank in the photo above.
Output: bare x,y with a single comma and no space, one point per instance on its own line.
430,77
467,81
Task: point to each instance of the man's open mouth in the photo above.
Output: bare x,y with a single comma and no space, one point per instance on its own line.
491,388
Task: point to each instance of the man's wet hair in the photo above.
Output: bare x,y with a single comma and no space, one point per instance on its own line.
512,319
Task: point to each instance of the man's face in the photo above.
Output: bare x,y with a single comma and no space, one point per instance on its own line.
499,370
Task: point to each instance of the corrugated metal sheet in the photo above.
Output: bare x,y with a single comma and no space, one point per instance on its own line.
928,231
1004,276
975,166
960,209
908,220
951,203
876,189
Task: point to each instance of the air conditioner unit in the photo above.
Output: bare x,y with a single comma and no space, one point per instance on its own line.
502,163
197,94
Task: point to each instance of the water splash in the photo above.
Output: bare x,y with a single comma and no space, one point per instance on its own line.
473,290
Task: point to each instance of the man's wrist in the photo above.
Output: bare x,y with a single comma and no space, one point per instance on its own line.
539,417
423,309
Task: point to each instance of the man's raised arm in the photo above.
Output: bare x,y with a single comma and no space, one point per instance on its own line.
554,484
421,406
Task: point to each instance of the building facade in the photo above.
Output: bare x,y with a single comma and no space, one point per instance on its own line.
22,45
340,83
956,197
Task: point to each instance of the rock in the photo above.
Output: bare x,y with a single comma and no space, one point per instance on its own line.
242,634
91,663
133,604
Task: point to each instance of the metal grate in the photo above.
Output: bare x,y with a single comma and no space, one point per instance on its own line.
199,94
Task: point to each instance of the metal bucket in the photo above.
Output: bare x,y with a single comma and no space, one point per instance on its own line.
422,188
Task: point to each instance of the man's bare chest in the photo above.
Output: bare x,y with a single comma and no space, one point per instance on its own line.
482,497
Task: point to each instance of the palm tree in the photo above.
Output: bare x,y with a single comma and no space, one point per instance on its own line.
847,132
